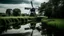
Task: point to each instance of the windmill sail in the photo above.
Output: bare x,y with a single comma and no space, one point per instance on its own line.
32,4
27,8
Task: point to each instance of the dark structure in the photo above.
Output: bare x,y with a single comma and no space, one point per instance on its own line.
32,10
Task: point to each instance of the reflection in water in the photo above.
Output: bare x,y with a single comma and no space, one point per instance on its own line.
22,30
28,28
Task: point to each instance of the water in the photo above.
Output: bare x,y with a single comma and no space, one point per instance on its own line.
22,30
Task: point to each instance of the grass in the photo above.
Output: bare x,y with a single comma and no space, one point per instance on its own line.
59,23
7,17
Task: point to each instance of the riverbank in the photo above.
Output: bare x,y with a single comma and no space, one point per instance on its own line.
54,26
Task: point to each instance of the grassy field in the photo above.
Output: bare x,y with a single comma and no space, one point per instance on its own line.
58,23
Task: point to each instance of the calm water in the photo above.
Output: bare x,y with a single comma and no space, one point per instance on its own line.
22,30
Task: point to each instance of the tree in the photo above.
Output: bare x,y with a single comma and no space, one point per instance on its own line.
8,12
16,12
47,7
58,8
42,8
53,8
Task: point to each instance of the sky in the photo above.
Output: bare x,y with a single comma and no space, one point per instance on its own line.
21,4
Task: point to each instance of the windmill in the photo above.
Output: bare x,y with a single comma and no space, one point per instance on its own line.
32,10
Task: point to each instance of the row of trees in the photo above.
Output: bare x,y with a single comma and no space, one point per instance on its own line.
53,8
14,12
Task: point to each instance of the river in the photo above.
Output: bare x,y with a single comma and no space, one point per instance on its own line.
22,30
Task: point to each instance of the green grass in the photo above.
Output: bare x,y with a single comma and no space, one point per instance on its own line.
7,17
59,23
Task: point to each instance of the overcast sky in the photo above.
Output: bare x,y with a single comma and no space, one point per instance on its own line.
21,4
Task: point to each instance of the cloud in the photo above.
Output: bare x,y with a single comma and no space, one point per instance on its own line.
41,1
13,1
20,1
5,4
2,7
12,6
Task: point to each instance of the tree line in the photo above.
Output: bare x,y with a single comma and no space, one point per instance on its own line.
53,8
14,12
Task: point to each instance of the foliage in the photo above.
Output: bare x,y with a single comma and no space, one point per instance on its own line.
16,12
25,14
8,12
53,8
58,23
